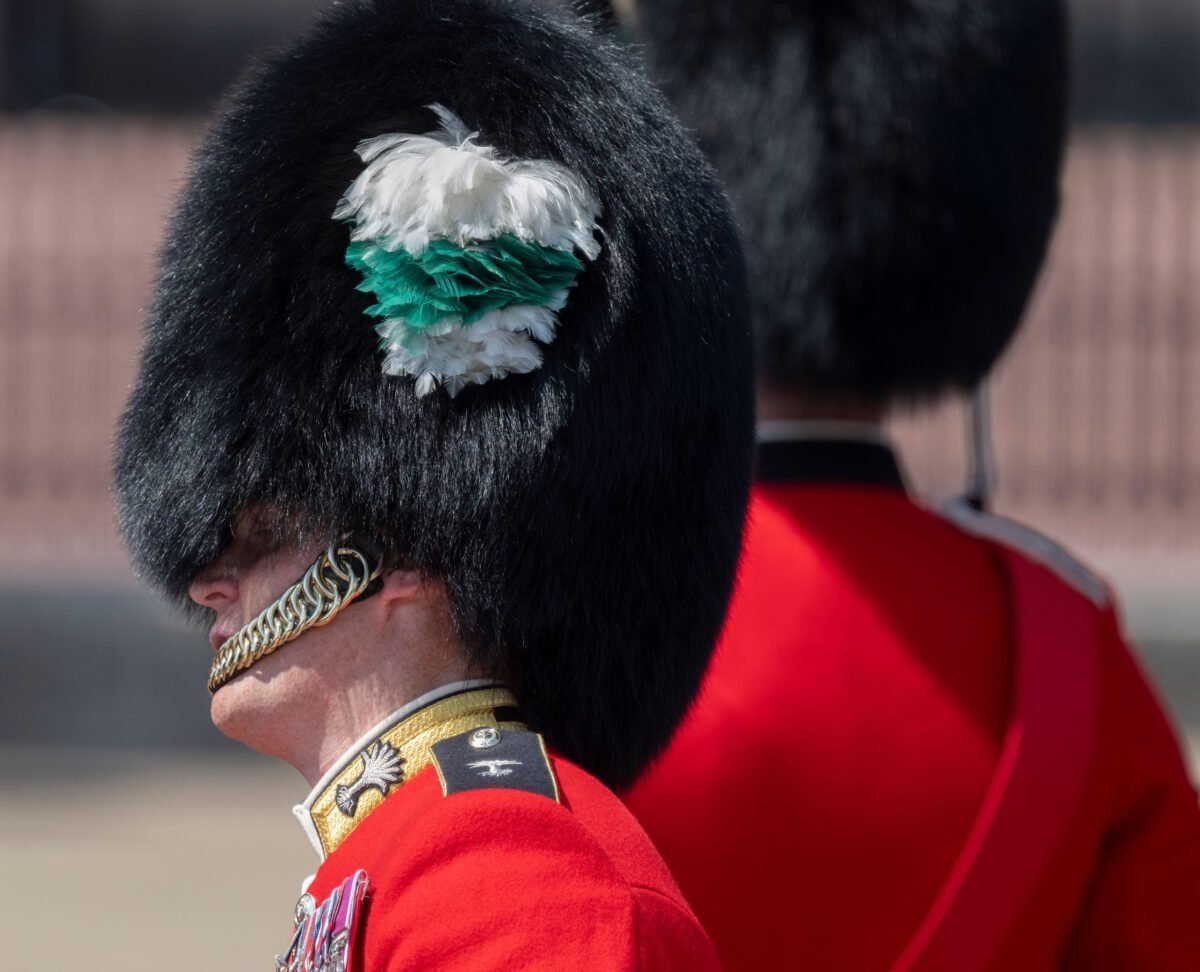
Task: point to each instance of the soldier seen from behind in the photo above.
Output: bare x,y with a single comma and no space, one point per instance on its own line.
923,742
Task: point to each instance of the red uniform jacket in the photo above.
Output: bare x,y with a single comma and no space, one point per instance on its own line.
922,748
495,858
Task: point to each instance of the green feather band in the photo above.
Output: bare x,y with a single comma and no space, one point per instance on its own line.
450,281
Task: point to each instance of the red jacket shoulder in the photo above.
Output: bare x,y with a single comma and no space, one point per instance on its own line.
506,879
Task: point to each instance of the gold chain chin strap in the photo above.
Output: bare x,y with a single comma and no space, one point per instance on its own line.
334,580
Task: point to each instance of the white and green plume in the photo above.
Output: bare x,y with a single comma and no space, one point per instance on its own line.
469,255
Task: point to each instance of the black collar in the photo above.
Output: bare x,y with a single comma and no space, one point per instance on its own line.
848,461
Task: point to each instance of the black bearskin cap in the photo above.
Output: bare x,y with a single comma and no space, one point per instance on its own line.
585,517
893,167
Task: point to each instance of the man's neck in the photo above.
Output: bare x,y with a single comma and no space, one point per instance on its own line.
821,430
348,749
360,709
792,405
396,750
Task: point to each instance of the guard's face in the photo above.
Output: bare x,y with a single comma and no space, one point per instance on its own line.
252,571
249,575
320,689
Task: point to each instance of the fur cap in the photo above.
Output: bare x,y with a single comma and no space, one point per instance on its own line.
894,170
585,515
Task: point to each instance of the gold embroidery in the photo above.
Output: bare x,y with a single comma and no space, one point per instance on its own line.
411,739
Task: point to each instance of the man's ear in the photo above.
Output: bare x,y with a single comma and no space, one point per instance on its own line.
399,585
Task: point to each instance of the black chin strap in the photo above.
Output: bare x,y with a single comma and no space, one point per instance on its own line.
983,465
373,551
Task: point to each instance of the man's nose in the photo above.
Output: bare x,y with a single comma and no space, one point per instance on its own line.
214,587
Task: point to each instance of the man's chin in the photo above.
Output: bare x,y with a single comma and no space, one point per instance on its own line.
271,705
231,707
244,709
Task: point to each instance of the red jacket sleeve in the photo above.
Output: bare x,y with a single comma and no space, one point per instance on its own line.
501,880
1143,906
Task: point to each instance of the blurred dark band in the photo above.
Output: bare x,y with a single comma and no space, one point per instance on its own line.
829,461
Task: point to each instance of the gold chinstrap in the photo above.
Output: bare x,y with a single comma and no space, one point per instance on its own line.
335,579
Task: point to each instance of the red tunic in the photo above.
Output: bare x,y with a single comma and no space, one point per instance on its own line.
504,879
919,748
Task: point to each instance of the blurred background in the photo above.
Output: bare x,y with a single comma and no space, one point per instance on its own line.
124,817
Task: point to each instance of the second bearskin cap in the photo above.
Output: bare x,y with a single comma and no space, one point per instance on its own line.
893,167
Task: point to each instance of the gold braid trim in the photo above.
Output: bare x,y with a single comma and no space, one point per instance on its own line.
335,579
410,742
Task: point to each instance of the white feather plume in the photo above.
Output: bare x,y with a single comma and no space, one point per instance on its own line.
443,185
502,342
